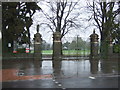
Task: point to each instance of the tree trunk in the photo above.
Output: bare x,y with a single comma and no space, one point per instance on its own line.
104,49
104,45
28,36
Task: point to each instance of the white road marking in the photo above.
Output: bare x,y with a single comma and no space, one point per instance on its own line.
91,77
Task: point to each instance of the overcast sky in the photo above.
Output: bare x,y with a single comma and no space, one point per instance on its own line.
46,32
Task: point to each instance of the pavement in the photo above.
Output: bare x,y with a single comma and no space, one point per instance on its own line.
66,74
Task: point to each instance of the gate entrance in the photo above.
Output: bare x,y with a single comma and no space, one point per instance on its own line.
76,46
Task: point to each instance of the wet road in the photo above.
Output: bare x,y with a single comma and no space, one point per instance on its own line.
60,74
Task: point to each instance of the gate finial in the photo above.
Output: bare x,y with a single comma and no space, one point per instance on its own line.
37,28
94,31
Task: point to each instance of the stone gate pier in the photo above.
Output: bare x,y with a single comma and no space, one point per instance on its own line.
94,46
37,45
110,45
57,46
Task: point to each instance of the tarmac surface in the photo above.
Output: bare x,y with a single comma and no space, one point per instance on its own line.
63,74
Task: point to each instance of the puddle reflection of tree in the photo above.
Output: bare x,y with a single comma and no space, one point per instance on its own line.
108,66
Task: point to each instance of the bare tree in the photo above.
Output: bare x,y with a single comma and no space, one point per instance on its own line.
104,15
61,17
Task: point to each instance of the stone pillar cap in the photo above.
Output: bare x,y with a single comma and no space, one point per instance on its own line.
37,35
57,32
94,34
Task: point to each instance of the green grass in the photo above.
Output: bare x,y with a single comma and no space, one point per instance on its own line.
48,52
76,52
67,52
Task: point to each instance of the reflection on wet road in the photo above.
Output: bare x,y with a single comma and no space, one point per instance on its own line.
61,72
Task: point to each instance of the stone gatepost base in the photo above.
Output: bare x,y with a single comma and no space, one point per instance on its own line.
57,51
94,50
37,52
57,46
37,56
94,45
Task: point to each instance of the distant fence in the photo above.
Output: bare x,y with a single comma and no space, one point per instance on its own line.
76,46
71,46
